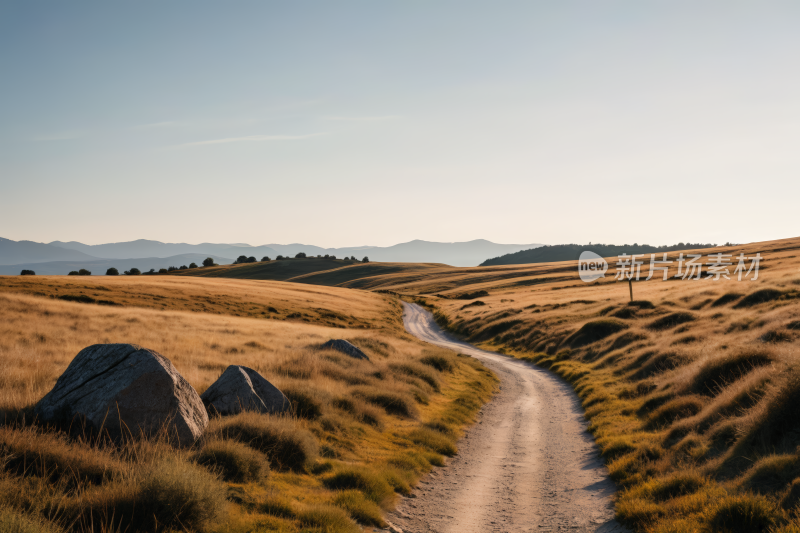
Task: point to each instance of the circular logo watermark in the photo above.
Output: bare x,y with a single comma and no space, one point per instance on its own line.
591,266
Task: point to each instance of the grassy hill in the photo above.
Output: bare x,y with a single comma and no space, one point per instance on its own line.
571,252
362,431
691,389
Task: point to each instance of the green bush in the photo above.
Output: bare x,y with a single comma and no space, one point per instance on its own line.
433,440
360,508
327,519
374,486
27,273
235,461
112,272
392,402
208,261
742,514
288,446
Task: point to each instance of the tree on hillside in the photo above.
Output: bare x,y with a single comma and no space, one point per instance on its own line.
333,257
241,259
84,272
365,260
162,270
300,255
279,258
73,273
207,262
251,259
112,272
27,273
265,259
133,272
353,258
192,265
171,269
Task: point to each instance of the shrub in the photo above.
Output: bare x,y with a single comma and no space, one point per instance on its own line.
235,461
162,271
27,273
365,260
360,410
327,519
360,478
133,272
287,446
112,272
12,521
73,273
418,371
167,495
251,259
674,410
360,508
183,267
303,403
594,331
759,297
208,261
50,455
434,441
300,255
718,373
671,320
265,259
169,269
726,299
741,514
278,506
442,363
392,402
84,272
192,265
240,260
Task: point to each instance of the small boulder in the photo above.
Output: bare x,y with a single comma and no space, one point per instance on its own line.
346,348
126,389
243,389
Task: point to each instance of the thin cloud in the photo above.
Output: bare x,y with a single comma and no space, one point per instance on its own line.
163,124
64,136
252,138
363,119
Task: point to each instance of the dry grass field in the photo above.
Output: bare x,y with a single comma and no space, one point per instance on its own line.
692,389
362,431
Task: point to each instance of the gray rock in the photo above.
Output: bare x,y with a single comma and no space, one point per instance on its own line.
126,389
243,389
346,348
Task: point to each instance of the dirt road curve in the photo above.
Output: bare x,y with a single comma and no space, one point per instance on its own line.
528,465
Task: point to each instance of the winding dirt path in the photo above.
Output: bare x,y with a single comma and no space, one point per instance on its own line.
528,464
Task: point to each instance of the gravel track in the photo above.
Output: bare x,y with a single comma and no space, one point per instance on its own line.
527,465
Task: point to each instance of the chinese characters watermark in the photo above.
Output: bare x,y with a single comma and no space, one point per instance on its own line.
689,267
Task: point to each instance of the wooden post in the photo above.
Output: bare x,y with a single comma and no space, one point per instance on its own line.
630,287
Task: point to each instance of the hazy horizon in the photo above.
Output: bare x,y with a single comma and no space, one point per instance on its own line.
380,123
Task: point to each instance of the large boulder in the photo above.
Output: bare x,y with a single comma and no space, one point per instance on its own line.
341,345
125,389
243,389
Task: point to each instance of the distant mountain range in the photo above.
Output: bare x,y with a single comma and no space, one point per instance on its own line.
60,257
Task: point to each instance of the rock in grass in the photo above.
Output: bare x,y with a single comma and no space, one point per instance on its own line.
243,389
125,389
346,348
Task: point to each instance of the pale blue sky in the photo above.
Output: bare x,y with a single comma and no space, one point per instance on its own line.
350,123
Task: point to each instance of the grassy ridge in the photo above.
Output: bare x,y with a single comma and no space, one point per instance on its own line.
691,390
363,432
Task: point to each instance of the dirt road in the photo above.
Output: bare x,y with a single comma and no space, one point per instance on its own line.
527,465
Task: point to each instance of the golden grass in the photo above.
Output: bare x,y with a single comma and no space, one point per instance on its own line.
692,390
341,425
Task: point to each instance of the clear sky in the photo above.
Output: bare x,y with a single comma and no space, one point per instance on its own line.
349,123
